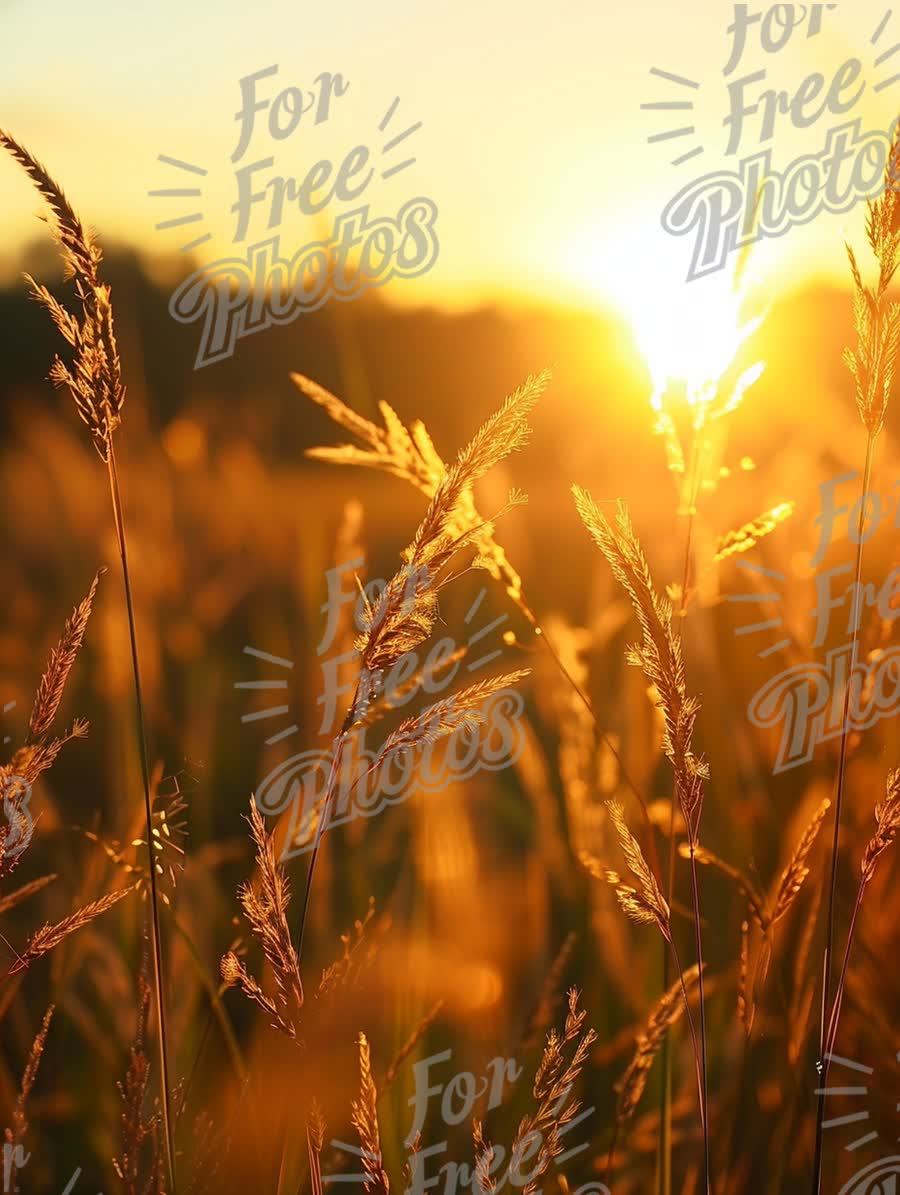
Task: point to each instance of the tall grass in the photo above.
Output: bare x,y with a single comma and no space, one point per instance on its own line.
94,379
872,365
745,997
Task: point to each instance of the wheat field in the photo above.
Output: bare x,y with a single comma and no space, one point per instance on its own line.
568,923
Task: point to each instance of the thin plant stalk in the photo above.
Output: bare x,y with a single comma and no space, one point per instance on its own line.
699,1055
873,365
600,733
326,802
659,655
513,587
607,1169
156,934
94,380
664,1165
887,818
670,943
838,801
835,1017
698,939
692,841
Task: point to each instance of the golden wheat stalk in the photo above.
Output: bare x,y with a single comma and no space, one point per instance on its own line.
484,1160
787,889
538,1137
648,902
797,869
53,682
12,899
94,379
38,754
749,535
872,365
442,718
16,1134
659,655
405,613
50,936
550,993
410,454
767,912
408,1046
265,905
365,1120
266,910
749,889
666,1013
561,1063
139,1126
887,828
315,1139
646,905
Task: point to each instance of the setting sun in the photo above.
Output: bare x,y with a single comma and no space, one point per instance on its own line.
451,573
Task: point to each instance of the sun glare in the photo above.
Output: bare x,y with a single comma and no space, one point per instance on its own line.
687,333
691,337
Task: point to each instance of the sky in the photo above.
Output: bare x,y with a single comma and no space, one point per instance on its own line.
533,143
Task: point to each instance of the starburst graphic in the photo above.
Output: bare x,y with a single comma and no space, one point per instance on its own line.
685,86
485,631
195,192
352,1176
682,105
883,58
182,193
853,1088
280,684
766,624
274,711
392,144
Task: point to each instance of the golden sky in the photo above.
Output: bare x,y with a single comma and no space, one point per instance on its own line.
533,143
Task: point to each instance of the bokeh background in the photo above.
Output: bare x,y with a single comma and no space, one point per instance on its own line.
535,149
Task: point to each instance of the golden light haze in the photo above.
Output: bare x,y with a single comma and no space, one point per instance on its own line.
534,147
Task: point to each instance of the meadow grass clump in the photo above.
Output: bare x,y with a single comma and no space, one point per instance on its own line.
93,377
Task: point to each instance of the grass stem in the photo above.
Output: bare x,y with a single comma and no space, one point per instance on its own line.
148,813
838,803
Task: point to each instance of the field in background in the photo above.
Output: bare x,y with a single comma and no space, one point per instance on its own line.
476,889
